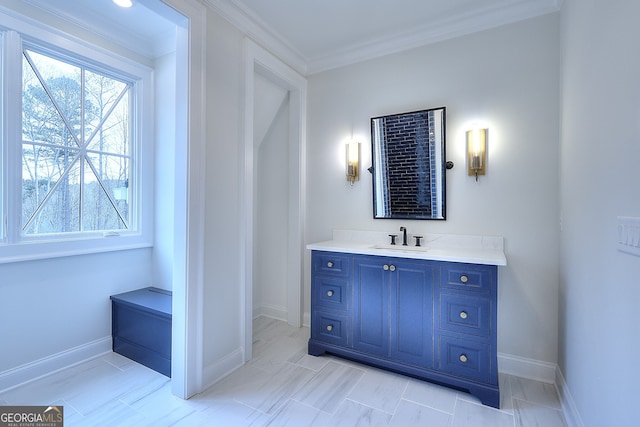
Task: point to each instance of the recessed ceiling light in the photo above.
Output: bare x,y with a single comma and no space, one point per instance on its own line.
123,3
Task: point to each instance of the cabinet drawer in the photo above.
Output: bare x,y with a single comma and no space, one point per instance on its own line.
330,292
330,263
329,328
468,359
469,315
468,277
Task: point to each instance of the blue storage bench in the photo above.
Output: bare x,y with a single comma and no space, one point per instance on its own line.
141,327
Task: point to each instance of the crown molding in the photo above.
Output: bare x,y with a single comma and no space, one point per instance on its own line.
455,26
254,27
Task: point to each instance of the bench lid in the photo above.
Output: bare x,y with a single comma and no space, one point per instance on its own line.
152,298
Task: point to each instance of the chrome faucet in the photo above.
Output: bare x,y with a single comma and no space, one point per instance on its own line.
404,235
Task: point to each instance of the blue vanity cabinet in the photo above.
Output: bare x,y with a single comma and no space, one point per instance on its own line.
432,320
466,327
330,289
393,309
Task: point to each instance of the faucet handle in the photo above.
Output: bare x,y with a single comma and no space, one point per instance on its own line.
393,238
417,240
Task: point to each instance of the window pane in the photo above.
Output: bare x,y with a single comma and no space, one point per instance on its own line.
105,197
99,211
51,204
102,94
76,148
113,135
50,99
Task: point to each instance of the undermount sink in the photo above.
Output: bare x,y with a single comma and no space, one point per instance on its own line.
401,248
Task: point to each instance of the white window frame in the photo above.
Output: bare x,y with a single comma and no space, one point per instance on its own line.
14,246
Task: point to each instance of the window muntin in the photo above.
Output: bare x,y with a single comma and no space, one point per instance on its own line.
76,153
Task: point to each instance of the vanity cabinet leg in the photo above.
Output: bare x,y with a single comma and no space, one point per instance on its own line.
315,349
488,396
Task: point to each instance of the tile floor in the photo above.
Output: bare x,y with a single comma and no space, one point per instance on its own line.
281,386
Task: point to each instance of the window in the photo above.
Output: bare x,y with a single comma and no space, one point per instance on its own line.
76,148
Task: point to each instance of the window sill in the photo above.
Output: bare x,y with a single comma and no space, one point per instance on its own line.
31,251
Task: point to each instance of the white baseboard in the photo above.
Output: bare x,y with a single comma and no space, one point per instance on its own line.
278,313
216,371
569,408
48,365
527,368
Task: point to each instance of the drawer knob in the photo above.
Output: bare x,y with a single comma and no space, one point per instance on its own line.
385,267
463,315
392,267
329,328
463,358
464,279
330,264
329,293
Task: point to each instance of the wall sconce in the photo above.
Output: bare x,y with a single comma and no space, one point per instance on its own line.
353,161
477,151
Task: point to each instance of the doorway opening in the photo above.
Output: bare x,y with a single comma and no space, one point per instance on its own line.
275,111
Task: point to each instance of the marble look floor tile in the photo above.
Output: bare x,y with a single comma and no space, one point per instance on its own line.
534,391
265,330
528,414
263,390
154,384
113,413
302,358
57,385
224,412
104,385
118,360
470,414
71,416
379,389
413,414
194,419
506,401
329,387
283,387
431,395
353,414
279,350
296,414
160,407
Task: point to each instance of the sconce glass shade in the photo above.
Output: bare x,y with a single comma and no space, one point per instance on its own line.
477,152
353,161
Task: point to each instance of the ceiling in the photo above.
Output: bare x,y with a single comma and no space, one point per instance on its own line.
312,35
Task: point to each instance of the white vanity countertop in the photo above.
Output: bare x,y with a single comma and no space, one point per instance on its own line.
437,247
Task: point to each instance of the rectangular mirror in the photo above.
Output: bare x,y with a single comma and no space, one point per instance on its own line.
409,164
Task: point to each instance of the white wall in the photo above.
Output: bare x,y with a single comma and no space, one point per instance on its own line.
507,77
599,292
164,180
272,200
222,300
54,305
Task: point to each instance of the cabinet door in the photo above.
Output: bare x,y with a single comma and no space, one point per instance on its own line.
412,311
371,305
